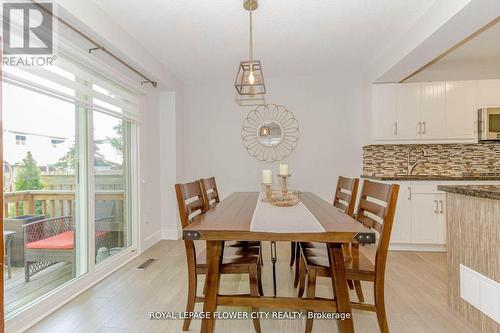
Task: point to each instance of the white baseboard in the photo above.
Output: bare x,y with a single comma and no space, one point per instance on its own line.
151,240
171,234
418,247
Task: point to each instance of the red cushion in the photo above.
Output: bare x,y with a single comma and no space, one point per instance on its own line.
62,241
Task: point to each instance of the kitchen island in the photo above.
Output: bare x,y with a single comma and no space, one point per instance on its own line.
473,232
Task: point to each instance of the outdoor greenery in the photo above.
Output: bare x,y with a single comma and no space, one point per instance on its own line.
67,163
117,142
28,177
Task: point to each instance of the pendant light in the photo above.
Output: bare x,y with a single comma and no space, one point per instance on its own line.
249,79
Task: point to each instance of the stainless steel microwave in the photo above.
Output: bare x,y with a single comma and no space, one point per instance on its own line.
489,124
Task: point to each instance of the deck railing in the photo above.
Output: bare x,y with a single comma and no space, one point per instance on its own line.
51,203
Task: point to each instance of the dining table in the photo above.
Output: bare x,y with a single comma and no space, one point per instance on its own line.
242,216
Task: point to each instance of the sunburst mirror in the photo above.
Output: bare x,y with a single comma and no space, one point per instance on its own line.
270,133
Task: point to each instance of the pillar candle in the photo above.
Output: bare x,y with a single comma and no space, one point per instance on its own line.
283,169
267,177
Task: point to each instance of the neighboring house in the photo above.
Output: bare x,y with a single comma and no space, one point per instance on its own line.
46,149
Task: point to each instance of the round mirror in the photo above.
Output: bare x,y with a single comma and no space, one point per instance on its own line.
270,133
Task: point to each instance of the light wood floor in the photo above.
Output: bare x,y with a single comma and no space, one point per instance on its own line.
415,296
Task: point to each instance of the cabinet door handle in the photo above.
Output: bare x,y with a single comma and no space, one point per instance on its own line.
425,128
419,128
409,193
441,209
396,128
435,206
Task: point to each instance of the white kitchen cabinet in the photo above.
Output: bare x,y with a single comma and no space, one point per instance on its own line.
384,118
461,109
427,218
433,112
401,228
488,93
408,110
432,123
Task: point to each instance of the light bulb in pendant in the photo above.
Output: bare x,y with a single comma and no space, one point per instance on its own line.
251,78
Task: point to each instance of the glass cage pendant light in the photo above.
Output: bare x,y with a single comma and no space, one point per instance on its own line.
250,80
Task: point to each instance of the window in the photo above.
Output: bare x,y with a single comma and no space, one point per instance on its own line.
55,142
21,140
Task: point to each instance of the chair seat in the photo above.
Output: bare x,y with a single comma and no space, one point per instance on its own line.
232,256
62,241
358,264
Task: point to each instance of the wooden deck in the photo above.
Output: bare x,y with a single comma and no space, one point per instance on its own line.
19,293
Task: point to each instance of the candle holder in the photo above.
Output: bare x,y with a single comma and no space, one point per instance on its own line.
284,184
269,192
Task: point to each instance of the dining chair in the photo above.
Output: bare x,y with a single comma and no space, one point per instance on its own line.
236,260
376,210
345,200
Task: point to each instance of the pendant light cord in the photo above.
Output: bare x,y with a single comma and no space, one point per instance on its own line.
251,35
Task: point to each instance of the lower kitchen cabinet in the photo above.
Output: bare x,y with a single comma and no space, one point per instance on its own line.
428,221
420,218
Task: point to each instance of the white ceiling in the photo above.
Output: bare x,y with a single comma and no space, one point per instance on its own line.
199,40
479,58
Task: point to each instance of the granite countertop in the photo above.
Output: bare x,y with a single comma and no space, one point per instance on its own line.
402,177
482,191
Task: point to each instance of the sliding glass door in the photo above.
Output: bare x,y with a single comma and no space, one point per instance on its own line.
112,184
42,224
68,142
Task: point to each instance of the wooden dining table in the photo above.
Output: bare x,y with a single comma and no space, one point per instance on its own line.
231,220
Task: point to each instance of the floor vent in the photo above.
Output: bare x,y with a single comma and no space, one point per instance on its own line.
146,264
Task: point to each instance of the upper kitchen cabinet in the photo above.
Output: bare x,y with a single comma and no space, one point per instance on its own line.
437,112
488,93
461,109
384,124
408,111
432,123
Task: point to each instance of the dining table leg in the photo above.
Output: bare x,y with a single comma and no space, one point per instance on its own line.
339,282
212,280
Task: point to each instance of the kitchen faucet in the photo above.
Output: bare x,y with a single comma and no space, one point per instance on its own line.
411,166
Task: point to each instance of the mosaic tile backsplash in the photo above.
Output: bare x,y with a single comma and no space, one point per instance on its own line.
442,159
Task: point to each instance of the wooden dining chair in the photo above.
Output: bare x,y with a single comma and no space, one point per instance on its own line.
376,211
235,260
345,200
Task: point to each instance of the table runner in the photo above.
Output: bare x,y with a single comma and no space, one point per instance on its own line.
296,219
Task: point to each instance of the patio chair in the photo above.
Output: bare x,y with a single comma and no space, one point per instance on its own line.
49,241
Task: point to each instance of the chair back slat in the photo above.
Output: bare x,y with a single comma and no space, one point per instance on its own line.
341,206
370,223
210,192
376,210
345,194
372,207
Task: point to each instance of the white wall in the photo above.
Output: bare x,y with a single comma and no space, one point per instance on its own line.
328,113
